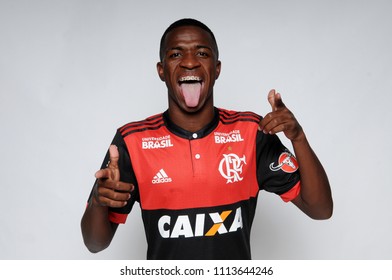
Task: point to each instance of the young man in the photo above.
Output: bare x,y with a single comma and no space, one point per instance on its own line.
196,170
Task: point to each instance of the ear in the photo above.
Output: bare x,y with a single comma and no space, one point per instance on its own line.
160,71
217,69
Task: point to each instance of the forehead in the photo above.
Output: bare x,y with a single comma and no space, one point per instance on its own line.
188,35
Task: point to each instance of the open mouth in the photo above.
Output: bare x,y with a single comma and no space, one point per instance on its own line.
191,89
190,79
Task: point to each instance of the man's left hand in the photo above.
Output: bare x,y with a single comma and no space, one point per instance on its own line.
280,119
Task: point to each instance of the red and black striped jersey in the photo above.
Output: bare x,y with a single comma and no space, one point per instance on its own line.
198,190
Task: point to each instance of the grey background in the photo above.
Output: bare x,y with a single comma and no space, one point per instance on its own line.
71,72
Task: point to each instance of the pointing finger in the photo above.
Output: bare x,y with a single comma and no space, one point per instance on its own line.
271,99
275,100
102,174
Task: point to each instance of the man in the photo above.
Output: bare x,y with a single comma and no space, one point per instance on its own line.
196,170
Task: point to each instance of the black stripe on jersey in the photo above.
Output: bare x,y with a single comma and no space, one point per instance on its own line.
149,120
227,117
143,129
152,123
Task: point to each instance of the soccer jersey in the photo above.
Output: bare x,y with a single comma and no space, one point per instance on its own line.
198,190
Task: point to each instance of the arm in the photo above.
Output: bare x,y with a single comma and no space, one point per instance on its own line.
315,197
108,191
97,230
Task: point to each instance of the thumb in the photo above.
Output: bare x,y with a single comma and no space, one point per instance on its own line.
275,100
114,155
111,171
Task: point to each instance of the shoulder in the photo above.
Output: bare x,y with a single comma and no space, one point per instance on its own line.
230,116
151,123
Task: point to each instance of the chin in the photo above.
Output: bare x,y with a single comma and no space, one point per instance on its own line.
191,110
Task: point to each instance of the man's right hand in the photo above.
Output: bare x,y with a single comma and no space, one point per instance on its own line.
109,190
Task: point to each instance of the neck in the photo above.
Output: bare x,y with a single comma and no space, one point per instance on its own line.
192,121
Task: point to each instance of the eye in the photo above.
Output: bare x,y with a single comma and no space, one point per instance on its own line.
202,54
174,55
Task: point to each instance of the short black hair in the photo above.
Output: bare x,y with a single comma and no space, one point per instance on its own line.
186,22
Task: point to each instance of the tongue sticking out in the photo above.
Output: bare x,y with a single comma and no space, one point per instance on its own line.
191,93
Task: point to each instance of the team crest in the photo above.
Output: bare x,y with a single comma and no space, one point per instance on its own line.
230,167
287,163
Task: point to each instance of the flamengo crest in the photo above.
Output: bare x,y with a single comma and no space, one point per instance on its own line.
230,167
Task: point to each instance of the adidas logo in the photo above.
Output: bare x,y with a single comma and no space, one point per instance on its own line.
161,177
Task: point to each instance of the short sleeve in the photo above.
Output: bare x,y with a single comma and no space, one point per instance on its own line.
277,168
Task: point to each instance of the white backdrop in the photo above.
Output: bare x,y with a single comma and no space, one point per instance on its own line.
73,71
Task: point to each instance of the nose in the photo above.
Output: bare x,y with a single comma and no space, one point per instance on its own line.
190,61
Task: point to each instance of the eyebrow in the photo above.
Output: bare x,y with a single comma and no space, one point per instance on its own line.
197,47
203,47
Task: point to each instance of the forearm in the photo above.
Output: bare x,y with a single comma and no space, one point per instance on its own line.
315,196
97,230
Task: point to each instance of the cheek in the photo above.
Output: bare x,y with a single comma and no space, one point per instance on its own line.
213,70
169,71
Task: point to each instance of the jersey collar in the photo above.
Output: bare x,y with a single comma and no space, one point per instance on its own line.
188,134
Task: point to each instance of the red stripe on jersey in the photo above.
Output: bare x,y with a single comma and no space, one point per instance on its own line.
117,218
292,193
